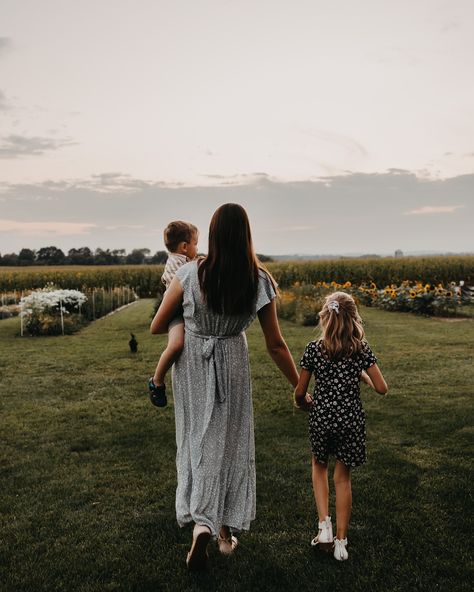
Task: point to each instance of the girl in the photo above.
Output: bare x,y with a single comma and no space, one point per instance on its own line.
221,295
339,360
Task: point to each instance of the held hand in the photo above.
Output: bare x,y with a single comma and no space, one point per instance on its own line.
304,403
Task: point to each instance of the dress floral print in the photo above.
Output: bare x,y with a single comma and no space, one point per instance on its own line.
337,419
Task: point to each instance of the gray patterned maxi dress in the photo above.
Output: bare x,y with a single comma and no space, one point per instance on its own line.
213,411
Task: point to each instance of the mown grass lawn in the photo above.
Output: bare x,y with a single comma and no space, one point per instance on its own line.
88,474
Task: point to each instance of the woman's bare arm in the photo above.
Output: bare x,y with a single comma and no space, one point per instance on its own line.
276,345
172,300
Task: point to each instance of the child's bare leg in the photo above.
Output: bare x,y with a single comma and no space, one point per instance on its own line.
320,488
342,483
170,354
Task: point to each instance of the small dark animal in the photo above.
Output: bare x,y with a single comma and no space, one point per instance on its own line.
133,343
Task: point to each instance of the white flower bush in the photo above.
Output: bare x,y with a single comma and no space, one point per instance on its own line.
48,299
43,311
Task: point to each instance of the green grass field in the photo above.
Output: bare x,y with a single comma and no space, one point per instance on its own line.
88,474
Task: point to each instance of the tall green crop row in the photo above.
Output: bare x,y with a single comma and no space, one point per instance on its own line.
146,279
381,271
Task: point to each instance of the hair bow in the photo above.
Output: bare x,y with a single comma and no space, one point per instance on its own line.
333,305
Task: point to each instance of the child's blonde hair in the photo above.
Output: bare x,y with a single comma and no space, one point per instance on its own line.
341,326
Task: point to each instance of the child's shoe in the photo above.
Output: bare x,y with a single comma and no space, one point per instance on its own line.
324,538
340,549
157,394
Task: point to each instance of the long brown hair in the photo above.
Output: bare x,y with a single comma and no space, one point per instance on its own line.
341,326
228,276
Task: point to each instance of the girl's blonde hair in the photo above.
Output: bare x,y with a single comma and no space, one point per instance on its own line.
341,326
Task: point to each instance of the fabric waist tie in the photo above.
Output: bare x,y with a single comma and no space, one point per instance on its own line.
213,351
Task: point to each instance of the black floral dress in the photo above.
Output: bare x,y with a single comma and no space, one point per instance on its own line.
337,419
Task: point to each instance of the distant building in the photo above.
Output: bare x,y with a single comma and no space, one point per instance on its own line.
398,253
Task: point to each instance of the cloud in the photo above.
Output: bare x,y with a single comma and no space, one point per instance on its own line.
114,183
5,43
434,210
352,213
46,228
124,227
349,145
15,146
3,102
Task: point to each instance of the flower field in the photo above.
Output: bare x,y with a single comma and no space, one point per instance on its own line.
425,285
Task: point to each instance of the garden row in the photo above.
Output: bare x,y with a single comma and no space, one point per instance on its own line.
146,279
52,311
301,303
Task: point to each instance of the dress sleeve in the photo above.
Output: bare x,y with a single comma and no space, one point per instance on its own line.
307,361
368,357
265,292
184,275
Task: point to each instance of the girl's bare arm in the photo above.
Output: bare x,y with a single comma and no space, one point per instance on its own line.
366,378
302,398
378,381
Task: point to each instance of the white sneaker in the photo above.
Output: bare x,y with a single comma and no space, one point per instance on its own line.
324,535
340,549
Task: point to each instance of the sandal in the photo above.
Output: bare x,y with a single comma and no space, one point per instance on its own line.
197,556
157,393
227,545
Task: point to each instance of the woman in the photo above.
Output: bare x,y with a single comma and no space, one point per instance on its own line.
221,295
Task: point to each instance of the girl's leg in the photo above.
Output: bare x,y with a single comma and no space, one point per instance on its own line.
320,488
171,353
342,483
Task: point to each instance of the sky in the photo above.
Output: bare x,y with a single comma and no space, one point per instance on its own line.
342,127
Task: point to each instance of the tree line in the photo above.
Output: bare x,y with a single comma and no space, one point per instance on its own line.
82,256
85,256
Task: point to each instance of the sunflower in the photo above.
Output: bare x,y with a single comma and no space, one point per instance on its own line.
347,285
373,285
393,295
449,294
412,294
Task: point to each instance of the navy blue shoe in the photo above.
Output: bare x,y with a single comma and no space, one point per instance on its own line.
157,394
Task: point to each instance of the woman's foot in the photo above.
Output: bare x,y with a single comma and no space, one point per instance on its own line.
226,542
340,549
197,556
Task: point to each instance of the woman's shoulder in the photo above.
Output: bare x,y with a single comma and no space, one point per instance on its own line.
186,270
264,275
266,289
